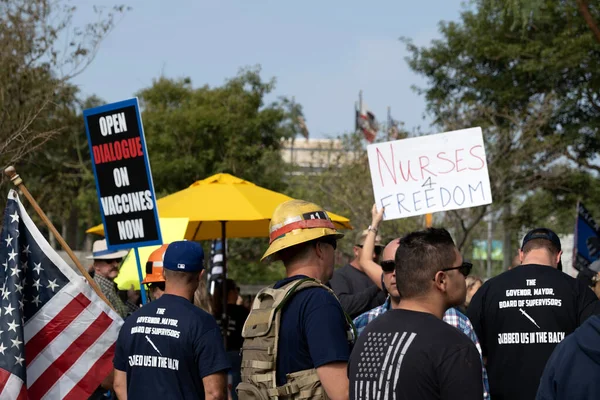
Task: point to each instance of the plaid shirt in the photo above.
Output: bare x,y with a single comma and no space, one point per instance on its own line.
109,288
452,317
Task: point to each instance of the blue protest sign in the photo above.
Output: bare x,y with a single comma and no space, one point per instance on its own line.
123,177
587,239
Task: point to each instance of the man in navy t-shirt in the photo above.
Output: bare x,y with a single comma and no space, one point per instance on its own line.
169,348
313,332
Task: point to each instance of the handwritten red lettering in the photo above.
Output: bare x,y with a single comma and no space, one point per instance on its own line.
391,171
458,160
439,156
409,175
424,167
477,157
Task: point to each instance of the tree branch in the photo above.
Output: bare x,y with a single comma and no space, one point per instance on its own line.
584,9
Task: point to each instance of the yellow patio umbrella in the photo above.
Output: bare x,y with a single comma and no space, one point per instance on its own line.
245,208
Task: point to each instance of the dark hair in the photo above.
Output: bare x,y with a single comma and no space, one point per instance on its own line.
420,255
536,244
181,277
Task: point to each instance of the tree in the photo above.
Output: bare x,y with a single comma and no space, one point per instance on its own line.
528,11
193,133
59,173
40,51
533,93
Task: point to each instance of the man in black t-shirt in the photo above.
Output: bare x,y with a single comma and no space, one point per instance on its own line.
409,352
521,315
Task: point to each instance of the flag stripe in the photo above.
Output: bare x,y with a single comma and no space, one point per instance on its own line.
55,327
66,360
83,365
12,386
4,375
51,310
61,343
23,393
101,368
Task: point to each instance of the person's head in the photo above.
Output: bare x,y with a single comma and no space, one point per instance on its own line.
106,262
359,241
541,246
302,236
473,284
430,268
388,265
183,266
594,269
154,273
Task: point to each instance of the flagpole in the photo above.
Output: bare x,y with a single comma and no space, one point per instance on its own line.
18,182
389,122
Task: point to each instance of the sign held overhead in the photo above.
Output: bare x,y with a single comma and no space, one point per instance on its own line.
428,174
123,177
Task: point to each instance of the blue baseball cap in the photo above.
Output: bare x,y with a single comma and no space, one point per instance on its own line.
184,256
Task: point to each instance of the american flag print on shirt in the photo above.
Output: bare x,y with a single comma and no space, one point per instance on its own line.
57,336
379,365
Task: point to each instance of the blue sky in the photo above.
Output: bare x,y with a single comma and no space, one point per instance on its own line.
322,53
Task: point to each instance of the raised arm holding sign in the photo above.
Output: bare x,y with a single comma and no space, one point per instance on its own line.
428,174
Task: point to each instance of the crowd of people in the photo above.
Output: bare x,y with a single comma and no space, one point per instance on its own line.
404,320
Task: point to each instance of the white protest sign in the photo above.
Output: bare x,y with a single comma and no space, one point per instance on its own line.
428,174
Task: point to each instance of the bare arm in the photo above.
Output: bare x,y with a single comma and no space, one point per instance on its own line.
370,267
120,384
215,386
334,378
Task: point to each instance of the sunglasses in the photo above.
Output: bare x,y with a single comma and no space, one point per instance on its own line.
377,249
464,268
112,260
388,266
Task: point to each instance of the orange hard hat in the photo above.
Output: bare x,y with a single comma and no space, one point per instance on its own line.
154,266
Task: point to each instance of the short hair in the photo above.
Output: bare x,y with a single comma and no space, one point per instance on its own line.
300,251
181,277
537,244
420,255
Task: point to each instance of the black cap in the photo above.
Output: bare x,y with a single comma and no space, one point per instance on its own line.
546,234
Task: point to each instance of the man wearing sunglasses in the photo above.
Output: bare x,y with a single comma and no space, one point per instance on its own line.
416,354
357,293
521,315
452,316
106,268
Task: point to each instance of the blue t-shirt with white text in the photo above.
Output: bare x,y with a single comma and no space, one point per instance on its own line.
167,347
313,331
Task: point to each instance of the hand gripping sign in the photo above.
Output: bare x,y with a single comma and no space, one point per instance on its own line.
428,174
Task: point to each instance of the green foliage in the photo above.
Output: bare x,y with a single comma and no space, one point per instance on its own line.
193,133
533,92
40,51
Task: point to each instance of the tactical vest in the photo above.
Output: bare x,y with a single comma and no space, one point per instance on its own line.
259,351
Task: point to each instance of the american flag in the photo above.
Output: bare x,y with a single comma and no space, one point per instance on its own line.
379,365
366,122
57,336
